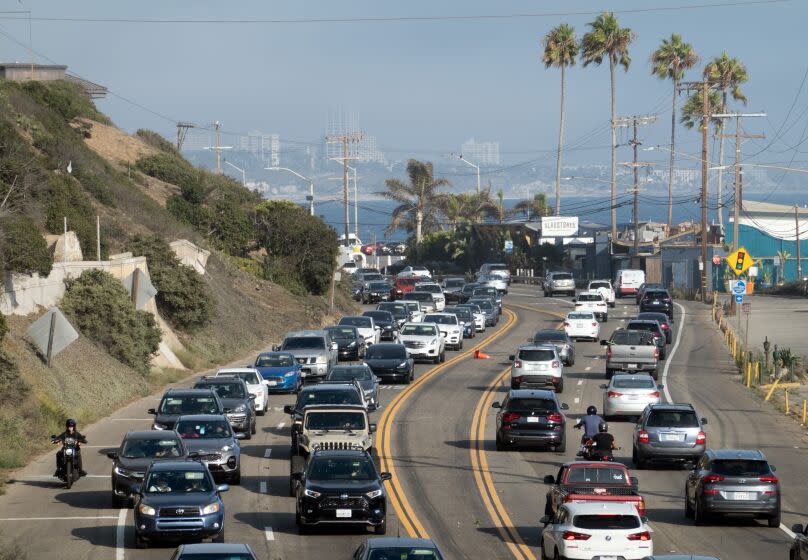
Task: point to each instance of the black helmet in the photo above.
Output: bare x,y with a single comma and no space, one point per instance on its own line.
603,427
591,409
70,423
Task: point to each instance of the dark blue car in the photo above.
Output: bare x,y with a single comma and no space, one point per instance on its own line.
281,370
178,500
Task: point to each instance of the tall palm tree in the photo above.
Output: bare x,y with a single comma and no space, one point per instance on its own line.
692,109
729,74
608,39
464,208
418,199
560,49
532,208
670,61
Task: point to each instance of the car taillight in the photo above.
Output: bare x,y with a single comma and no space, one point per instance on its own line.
665,326
641,507
642,437
644,536
666,299
516,380
701,439
608,351
510,416
555,364
656,353
566,324
517,364
573,536
769,479
595,324
653,394
556,417
711,478
614,394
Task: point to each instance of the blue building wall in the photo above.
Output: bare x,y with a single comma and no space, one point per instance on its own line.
765,247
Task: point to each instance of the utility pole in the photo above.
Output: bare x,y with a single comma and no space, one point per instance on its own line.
345,139
182,131
217,127
738,136
797,224
634,122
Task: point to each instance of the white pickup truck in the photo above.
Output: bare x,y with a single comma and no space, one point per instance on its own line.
594,302
605,289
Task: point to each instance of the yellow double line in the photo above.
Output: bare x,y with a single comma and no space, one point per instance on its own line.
479,463
406,515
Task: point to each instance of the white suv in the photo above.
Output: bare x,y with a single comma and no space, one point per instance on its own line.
256,385
594,302
449,326
537,367
423,340
435,290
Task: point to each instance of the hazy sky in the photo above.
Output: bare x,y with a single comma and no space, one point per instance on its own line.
415,85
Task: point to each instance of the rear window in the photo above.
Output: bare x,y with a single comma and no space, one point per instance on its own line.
629,383
562,276
590,297
672,419
596,475
596,285
656,295
737,467
386,353
660,318
637,326
608,522
632,338
452,283
498,267
536,355
580,316
551,336
538,405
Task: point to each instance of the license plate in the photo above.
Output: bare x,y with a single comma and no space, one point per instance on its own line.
579,325
608,557
742,496
632,366
542,366
532,420
343,513
655,302
671,437
633,397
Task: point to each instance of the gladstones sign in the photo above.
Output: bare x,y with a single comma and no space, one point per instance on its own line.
558,226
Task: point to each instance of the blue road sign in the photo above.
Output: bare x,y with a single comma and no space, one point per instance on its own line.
738,287
738,298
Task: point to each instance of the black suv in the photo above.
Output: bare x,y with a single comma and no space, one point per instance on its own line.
239,404
350,344
657,300
531,416
322,393
137,451
338,488
727,481
179,402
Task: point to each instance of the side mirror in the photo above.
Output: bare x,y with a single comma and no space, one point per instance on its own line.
703,420
275,348
565,406
289,409
372,428
150,411
334,346
545,520
604,342
798,528
239,435
496,405
604,386
222,488
251,397
635,482
549,479
298,428
385,476
644,519
371,408
773,468
136,489
112,455
512,357
660,386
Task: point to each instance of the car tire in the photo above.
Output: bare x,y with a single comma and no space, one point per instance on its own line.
688,508
699,517
612,304
140,542
235,478
381,528
436,359
442,357
460,346
118,502
501,445
639,462
561,447
248,433
775,521
560,388
663,354
570,362
218,538
254,427
605,318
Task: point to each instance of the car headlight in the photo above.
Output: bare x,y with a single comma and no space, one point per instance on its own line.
311,493
374,493
146,510
157,426
403,365
120,471
352,344
226,448
289,374
240,408
210,508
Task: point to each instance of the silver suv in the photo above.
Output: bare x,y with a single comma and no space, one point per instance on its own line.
668,432
314,351
537,366
559,282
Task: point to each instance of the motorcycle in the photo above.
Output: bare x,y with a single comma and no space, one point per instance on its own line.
69,472
592,454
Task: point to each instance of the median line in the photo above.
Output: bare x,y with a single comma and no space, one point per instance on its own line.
406,515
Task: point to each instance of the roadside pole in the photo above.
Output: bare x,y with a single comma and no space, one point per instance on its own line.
748,311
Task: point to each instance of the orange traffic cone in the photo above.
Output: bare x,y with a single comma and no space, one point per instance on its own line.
478,355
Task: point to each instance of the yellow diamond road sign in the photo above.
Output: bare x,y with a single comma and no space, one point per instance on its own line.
740,261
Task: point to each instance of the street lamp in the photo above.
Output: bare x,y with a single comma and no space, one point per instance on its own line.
243,174
310,198
474,165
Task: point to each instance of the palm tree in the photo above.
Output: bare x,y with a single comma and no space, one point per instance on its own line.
692,110
560,49
497,209
670,61
608,39
532,208
417,200
729,74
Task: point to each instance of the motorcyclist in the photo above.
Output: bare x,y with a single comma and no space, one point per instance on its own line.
70,432
590,423
602,443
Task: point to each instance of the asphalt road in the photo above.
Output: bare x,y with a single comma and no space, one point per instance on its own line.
450,483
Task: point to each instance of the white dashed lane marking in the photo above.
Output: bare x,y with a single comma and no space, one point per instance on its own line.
269,533
262,487
580,382
267,453
281,425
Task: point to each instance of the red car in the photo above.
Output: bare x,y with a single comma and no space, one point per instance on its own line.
406,284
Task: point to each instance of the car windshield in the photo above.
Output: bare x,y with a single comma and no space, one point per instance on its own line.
549,336
342,333
473,307
580,316
590,297
204,429
606,522
227,390
538,405
454,283
463,313
419,330
361,322
596,285
381,286
341,468
304,343
643,326
672,419
562,276
372,277
348,395
335,421
151,448
276,360
248,377
347,373
398,310
441,319
178,482
740,467
485,305
175,405
632,338
419,296
377,352
484,291
536,355
379,316
404,553
431,288
596,475
658,317
633,383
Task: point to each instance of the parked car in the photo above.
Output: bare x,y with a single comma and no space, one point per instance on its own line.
537,366
388,326
731,482
211,438
652,327
137,451
647,286
661,318
425,299
314,351
391,361
452,288
350,342
627,282
631,351
363,375
531,416
178,500
239,404
449,327
280,370
605,288
396,548
178,402
668,432
594,302
582,324
657,300
562,342
627,394
415,270
256,385
366,326
559,282
423,341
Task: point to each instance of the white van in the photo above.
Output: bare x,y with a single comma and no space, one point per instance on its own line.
628,281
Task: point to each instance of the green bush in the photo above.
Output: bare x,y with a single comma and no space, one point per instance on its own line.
155,140
174,170
100,308
299,246
66,98
3,327
182,295
22,247
231,228
66,199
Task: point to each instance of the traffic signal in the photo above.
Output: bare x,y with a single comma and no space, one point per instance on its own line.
739,260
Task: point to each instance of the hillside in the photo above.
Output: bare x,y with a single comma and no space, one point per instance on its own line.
62,159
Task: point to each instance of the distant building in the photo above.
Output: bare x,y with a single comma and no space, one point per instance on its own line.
25,71
367,152
266,146
481,153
